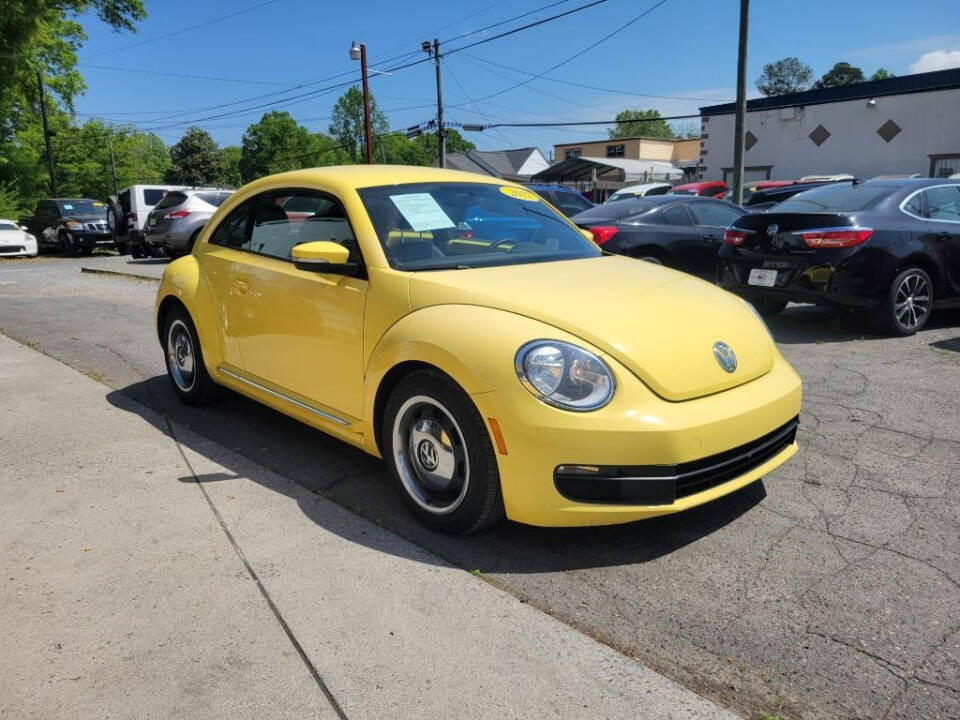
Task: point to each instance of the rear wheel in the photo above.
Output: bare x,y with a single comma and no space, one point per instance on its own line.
184,358
906,308
440,455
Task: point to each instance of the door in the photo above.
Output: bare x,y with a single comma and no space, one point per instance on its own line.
48,216
299,331
942,208
682,239
711,219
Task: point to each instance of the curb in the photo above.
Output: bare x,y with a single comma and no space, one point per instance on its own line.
98,271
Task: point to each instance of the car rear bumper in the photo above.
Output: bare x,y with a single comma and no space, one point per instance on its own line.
676,455
838,278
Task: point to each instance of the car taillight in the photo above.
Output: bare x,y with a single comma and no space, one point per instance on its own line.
132,216
734,237
836,238
177,214
602,233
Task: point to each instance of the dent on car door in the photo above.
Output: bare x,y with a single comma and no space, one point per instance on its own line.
300,330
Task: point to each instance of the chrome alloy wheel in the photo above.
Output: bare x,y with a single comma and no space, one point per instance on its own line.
430,455
912,301
181,356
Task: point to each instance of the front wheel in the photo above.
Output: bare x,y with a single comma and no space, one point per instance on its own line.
184,358
67,248
906,308
440,455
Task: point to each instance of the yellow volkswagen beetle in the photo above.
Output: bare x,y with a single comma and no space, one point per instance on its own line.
465,331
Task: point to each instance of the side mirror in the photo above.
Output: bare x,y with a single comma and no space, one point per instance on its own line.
24,228
323,256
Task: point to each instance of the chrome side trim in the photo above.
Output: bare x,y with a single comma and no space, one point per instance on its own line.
281,396
910,197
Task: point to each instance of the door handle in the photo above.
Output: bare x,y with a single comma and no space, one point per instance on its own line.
241,285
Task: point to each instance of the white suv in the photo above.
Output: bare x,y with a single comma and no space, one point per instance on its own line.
128,216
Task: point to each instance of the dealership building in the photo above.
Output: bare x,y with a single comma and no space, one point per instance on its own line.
899,126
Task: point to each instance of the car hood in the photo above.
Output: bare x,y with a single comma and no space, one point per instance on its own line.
659,323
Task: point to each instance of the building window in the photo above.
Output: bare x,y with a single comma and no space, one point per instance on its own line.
571,153
943,166
616,150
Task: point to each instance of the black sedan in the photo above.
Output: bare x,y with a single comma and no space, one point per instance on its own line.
890,248
680,231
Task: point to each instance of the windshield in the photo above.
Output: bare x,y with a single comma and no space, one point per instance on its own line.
83,207
7,226
441,226
842,197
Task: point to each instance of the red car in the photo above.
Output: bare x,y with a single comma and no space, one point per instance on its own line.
708,188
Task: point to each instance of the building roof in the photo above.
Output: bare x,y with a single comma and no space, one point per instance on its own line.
628,137
921,82
497,163
627,170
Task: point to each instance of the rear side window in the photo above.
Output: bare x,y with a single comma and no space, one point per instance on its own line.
713,214
124,200
676,215
275,231
151,196
615,211
213,198
840,197
943,203
171,199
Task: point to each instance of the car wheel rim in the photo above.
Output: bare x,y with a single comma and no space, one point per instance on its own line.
430,455
181,355
912,301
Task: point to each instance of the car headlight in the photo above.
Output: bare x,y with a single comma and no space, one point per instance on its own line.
74,225
564,375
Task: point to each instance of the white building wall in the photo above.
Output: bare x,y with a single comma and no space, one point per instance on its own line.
929,122
533,164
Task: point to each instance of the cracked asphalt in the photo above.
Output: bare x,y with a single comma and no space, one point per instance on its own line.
831,589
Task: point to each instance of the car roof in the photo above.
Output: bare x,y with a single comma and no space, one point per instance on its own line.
642,186
701,184
539,186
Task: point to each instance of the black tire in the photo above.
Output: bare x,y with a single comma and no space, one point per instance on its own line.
136,251
190,382
427,404
67,248
769,308
906,307
85,250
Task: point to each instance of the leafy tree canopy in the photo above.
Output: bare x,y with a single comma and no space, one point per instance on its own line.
842,73
882,74
346,123
784,76
628,125
195,160
277,143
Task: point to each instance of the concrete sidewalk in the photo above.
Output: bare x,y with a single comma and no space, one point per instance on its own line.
146,571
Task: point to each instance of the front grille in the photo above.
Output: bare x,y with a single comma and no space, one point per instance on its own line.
664,484
11,248
97,227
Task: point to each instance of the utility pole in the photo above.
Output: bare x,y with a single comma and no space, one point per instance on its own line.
47,133
739,131
367,130
113,167
441,133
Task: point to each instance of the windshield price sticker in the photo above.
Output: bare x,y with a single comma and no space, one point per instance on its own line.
422,212
520,194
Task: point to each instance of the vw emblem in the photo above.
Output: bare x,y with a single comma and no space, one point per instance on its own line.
725,356
773,229
427,455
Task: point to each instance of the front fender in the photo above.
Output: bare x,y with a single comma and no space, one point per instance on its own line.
183,281
474,345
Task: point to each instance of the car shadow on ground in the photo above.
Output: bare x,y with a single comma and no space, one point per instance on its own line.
812,324
334,470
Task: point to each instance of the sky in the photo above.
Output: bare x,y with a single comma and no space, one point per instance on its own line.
284,54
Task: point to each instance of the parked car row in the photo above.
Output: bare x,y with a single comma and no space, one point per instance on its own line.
889,248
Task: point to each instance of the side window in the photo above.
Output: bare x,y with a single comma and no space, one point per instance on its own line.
232,231
713,214
915,206
676,215
572,203
943,203
286,218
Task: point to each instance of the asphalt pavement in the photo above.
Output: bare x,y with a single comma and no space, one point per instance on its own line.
828,590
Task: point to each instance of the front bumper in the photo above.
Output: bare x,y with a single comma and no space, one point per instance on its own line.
27,248
636,429
91,240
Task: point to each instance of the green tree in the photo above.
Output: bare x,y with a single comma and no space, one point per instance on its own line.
653,125
882,74
277,143
346,124
456,143
840,74
784,76
230,161
195,160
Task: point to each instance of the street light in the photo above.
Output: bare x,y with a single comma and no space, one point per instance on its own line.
360,53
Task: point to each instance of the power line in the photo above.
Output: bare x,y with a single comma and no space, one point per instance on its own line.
205,23
631,121
467,96
177,75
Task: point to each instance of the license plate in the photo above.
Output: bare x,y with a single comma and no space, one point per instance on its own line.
152,221
763,278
